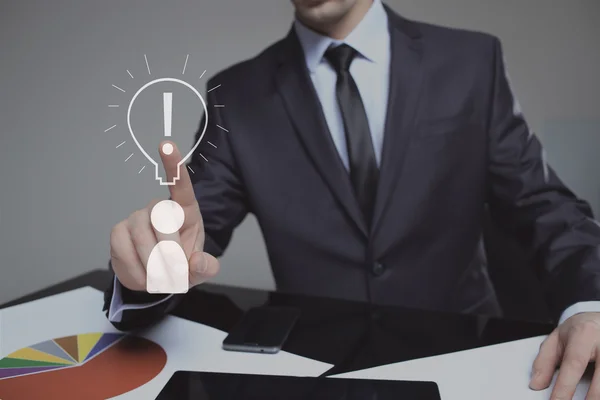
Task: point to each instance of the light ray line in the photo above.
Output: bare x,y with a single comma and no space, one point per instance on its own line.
130,74
205,159
121,144
202,74
127,159
110,128
216,87
116,87
143,168
113,105
190,168
147,65
219,105
185,65
212,144
222,128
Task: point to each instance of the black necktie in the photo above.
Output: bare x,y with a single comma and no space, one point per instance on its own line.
363,165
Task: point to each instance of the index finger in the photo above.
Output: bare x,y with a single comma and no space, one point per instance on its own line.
182,191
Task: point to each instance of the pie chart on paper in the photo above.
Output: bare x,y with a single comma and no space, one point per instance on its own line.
87,366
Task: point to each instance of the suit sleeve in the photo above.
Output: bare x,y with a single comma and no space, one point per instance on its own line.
218,179
222,198
529,201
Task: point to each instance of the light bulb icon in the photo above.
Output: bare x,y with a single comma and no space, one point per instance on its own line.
167,100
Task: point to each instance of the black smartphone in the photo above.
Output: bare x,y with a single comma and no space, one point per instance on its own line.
262,330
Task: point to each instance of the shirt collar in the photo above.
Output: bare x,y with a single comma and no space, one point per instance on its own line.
370,38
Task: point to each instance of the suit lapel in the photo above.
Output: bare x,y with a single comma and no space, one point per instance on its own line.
303,106
406,76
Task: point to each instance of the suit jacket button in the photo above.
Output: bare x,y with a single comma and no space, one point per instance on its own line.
378,269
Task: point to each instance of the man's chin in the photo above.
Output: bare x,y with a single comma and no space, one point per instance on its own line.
320,12
316,8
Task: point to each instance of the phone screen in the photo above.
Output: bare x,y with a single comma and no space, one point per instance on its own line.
262,329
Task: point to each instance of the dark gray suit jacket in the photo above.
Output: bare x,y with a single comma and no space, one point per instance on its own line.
455,143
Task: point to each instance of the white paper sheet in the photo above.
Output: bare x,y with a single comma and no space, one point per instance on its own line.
189,346
495,372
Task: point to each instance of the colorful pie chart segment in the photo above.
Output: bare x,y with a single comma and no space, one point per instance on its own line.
9,372
50,347
106,340
36,355
104,365
85,343
9,362
69,345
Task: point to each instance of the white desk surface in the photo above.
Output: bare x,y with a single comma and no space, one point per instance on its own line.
499,372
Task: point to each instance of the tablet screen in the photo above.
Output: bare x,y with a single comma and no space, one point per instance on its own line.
185,385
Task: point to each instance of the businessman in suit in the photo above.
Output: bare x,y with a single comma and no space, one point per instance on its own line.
369,147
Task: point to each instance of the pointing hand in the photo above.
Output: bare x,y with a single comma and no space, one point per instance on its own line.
133,239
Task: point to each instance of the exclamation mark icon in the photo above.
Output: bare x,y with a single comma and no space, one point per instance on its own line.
168,112
167,148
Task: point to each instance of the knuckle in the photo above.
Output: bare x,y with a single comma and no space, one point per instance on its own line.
585,330
576,363
590,327
210,273
200,266
138,233
138,229
152,204
137,216
117,233
549,343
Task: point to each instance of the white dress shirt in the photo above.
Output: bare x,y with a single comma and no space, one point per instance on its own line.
370,70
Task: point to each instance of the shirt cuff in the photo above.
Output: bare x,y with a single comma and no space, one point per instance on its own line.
581,307
115,312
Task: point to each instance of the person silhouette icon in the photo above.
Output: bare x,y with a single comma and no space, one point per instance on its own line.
167,269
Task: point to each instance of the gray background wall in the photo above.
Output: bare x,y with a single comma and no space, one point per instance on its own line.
64,185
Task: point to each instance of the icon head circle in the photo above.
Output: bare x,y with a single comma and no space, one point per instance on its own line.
167,217
144,152
167,148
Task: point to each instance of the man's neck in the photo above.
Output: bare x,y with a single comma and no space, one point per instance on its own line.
340,29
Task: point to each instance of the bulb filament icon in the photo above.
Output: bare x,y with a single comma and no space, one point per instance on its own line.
168,121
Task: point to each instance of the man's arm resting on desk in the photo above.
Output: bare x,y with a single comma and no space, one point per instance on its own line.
529,201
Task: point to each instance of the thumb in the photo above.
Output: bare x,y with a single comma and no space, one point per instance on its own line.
203,266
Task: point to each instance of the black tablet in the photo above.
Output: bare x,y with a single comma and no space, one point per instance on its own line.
185,385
